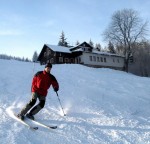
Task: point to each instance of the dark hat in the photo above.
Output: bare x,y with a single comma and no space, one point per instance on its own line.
48,65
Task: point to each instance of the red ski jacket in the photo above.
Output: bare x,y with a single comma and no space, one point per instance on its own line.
42,81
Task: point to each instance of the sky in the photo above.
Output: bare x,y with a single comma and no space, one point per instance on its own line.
26,25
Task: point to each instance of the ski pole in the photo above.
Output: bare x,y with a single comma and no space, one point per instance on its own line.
60,104
33,67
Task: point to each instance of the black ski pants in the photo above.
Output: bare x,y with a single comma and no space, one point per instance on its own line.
30,106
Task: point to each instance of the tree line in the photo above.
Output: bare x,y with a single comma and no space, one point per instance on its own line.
7,57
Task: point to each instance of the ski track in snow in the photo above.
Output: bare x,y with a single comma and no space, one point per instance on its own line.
102,106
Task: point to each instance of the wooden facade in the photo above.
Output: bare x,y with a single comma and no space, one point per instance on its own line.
49,54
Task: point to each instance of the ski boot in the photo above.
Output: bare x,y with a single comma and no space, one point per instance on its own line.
30,116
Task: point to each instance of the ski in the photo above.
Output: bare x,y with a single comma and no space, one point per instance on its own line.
26,124
42,124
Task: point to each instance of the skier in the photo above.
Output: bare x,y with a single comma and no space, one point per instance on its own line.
41,82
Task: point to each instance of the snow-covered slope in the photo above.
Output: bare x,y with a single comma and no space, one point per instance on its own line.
102,105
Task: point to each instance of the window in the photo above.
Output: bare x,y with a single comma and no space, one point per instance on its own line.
76,60
90,58
60,59
44,54
52,60
94,58
101,59
49,52
79,60
118,60
48,61
72,60
66,60
85,49
104,59
98,59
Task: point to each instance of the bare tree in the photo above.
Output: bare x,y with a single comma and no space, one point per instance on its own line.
141,64
125,29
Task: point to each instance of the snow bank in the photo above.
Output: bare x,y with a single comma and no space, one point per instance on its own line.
102,106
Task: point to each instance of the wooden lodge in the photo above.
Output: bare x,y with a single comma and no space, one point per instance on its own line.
81,54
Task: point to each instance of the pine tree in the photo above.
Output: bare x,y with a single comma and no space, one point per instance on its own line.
77,42
111,48
91,43
35,57
98,47
62,41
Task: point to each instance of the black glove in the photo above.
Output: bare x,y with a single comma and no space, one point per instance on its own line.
56,89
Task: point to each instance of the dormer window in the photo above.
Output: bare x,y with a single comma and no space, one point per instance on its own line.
85,49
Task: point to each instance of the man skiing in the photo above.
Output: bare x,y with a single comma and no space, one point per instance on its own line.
41,82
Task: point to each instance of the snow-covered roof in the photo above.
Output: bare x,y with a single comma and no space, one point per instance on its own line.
99,52
67,50
59,48
106,53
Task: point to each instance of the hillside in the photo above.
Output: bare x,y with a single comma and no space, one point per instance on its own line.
102,105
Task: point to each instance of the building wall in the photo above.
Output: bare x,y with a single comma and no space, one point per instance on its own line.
102,60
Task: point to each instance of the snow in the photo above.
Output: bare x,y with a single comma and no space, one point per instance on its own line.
106,53
59,48
102,106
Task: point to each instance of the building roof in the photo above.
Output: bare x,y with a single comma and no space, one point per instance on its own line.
106,53
77,49
59,48
82,45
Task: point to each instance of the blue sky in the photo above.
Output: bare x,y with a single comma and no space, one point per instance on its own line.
26,25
